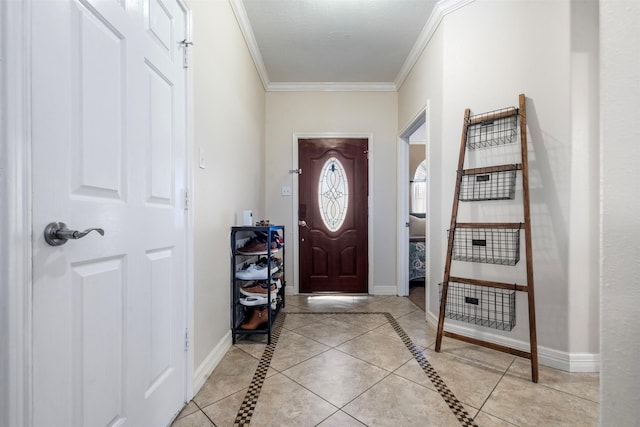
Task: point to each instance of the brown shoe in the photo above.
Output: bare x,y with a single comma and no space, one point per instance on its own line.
255,247
257,318
256,289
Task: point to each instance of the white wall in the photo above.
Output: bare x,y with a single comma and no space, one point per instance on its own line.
318,113
584,264
491,52
620,252
15,193
228,117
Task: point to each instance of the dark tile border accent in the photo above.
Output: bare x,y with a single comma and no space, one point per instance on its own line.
454,404
251,397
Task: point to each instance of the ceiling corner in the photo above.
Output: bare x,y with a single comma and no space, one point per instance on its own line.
249,38
441,9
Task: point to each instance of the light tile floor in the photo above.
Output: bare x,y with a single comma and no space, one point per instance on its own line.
354,370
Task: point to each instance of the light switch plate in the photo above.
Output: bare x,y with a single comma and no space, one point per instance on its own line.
201,155
286,190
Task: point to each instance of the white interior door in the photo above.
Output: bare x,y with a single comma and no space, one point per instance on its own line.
109,151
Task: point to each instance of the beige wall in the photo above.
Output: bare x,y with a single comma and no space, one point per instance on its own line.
228,125
483,69
322,113
416,156
620,252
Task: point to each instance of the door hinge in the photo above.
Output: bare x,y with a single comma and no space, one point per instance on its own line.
186,200
185,52
186,340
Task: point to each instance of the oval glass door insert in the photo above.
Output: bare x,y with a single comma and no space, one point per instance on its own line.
333,194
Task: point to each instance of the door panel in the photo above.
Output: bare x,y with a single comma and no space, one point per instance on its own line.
109,151
97,101
159,138
98,288
333,243
161,300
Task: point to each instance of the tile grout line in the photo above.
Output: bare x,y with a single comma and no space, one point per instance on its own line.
341,408
204,413
494,389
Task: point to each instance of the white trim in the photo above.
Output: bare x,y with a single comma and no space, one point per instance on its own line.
442,9
295,255
211,361
429,233
190,220
295,200
332,87
15,189
584,362
569,362
414,124
249,38
402,215
402,246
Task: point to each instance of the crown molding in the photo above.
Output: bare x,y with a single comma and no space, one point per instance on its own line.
249,38
441,9
332,87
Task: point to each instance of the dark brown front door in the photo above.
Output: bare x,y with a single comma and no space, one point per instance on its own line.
332,213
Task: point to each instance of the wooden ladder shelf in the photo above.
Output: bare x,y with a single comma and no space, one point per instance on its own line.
494,243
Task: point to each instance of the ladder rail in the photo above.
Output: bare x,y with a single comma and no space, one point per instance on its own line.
503,168
533,340
490,284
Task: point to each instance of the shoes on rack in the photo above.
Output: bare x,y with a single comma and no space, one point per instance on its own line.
253,301
256,247
257,271
275,237
276,263
257,318
259,289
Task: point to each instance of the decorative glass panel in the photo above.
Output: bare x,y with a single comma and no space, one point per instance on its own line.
418,197
421,171
418,187
333,194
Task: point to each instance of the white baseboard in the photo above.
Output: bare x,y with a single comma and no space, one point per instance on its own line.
210,362
384,290
585,362
570,362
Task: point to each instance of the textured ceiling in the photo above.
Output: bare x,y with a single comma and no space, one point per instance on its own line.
344,41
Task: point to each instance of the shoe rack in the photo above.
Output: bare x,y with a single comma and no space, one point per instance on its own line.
490,303
257,260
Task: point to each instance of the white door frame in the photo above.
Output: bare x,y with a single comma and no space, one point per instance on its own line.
16,388
15,214
189,320
402,260
295,261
